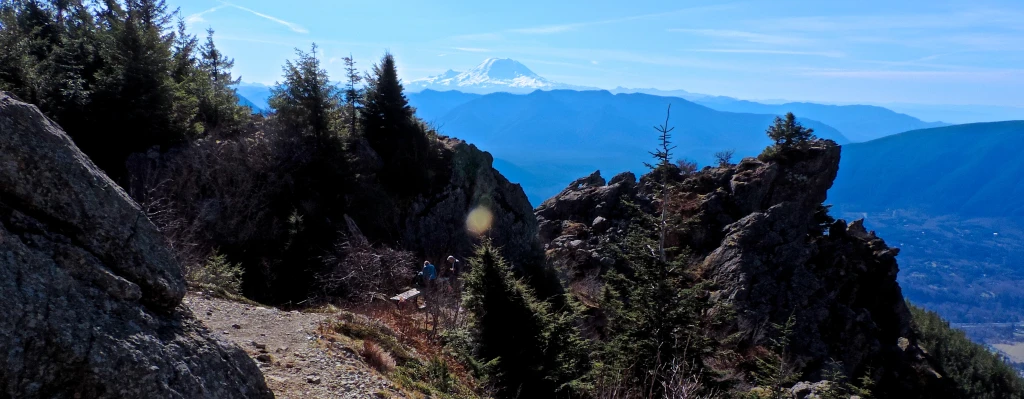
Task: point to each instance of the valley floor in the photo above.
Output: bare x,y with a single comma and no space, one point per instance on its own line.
296,360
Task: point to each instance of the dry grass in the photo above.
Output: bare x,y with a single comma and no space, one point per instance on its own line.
377,357
575,229
411,341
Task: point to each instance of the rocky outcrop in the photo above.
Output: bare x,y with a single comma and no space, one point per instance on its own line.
437,223
91,296
760,236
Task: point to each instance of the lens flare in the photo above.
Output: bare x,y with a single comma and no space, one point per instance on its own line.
479,220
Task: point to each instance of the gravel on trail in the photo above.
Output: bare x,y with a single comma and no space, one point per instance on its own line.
295,361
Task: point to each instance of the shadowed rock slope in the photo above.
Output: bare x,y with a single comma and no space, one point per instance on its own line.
762,240
90,296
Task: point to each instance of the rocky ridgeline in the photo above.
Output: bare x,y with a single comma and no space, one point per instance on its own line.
758,235
90,296
438,220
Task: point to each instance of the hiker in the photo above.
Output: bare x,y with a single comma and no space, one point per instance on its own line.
427,275
454,267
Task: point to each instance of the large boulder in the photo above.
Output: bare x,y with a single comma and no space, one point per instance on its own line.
90,296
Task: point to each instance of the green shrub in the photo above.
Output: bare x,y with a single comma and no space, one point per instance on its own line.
217,275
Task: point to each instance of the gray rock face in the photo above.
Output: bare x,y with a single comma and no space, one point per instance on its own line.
91,296
439,221
757,235
583,202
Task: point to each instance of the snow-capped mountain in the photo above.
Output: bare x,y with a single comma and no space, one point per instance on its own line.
493,75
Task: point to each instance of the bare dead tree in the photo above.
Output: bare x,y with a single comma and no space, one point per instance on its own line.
724,157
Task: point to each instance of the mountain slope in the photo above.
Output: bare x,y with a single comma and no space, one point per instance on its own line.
969,170
952,199
557,135
857,122
256,93
431,105
245,102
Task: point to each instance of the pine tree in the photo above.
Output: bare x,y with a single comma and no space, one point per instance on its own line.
307,104
655,316
788,132
112,73
218,106
135,91
531,351
188,84
391,130
775,371
353,95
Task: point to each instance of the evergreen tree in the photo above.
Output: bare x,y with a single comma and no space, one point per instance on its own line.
112,73
788,132
188,84
353,95
655,315
135,93
218,105
307,104
391,129
531,352
774,371
61,75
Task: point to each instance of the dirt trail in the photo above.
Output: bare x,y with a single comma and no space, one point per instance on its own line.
286,345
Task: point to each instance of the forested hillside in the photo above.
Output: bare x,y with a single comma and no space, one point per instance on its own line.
282,196
950,197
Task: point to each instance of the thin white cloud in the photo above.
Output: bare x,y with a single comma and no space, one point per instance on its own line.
251,40
293,26
752,37
560,28
472,49
479,37
993,75
198,17
985,18
543,30
586,55
830,54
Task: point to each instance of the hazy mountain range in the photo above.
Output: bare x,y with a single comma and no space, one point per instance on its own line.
254,95
553,136
506,75
492,75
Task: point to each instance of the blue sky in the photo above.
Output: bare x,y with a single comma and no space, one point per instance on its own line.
895,51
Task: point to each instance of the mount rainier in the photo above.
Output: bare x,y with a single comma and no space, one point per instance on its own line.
493,75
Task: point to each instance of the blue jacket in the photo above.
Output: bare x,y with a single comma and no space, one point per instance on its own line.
429,272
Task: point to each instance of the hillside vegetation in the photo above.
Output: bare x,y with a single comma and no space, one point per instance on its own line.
950,197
